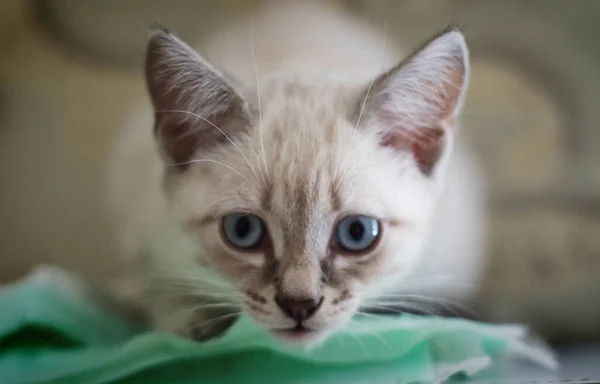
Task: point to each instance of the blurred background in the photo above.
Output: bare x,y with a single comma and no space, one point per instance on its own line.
70,72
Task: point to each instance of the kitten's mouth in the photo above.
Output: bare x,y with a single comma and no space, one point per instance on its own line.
297,334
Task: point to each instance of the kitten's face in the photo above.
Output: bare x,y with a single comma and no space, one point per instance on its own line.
306,232
315,204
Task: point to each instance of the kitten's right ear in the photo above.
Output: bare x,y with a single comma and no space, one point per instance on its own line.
195,105
415,104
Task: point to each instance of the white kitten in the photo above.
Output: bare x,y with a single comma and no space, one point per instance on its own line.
298,176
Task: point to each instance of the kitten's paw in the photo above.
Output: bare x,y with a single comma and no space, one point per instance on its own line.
113,300
70,284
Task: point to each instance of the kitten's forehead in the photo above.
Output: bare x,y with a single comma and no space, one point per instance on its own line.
309,95
307,136
301,187
301,193
302,123
303,206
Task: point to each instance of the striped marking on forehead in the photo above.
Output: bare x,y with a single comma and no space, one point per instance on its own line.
300,200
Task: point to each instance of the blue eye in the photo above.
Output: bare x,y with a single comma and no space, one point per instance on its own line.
244,231
356,233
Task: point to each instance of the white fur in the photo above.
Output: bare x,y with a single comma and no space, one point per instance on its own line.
301,39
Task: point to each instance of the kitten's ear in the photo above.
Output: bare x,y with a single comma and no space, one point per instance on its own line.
191,99
414,105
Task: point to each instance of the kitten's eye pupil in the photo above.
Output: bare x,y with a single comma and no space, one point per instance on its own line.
243,231
357,230
356,234
242,226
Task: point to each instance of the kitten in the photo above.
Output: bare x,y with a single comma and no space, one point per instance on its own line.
301,176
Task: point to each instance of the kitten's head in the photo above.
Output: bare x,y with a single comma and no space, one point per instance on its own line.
314,196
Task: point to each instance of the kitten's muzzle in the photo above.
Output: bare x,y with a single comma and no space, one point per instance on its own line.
299,310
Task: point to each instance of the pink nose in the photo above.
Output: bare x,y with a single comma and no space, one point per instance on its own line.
299,310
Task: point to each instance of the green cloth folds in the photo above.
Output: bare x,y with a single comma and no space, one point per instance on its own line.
50,335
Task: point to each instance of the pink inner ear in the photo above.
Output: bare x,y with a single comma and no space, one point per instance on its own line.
426,145
419,127
415,104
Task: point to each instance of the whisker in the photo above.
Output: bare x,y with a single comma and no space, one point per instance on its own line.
174,292
192,283
209,305
429,281
339,153
211,161
364,102
367,314
374,334
436,306
448,304
364,348
193,289
339,340
182,315
220,318
217,202
238,198
402,307
213,125
260,132
196,275
198,287
426,281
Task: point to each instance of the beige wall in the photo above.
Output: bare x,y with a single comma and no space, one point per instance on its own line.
56,117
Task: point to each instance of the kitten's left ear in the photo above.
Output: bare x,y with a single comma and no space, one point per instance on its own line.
196,107
414,105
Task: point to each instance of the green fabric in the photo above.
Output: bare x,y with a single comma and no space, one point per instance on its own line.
49,335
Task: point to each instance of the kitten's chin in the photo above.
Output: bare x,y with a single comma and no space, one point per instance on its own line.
303,337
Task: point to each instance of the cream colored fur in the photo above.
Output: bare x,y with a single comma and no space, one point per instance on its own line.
305,66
